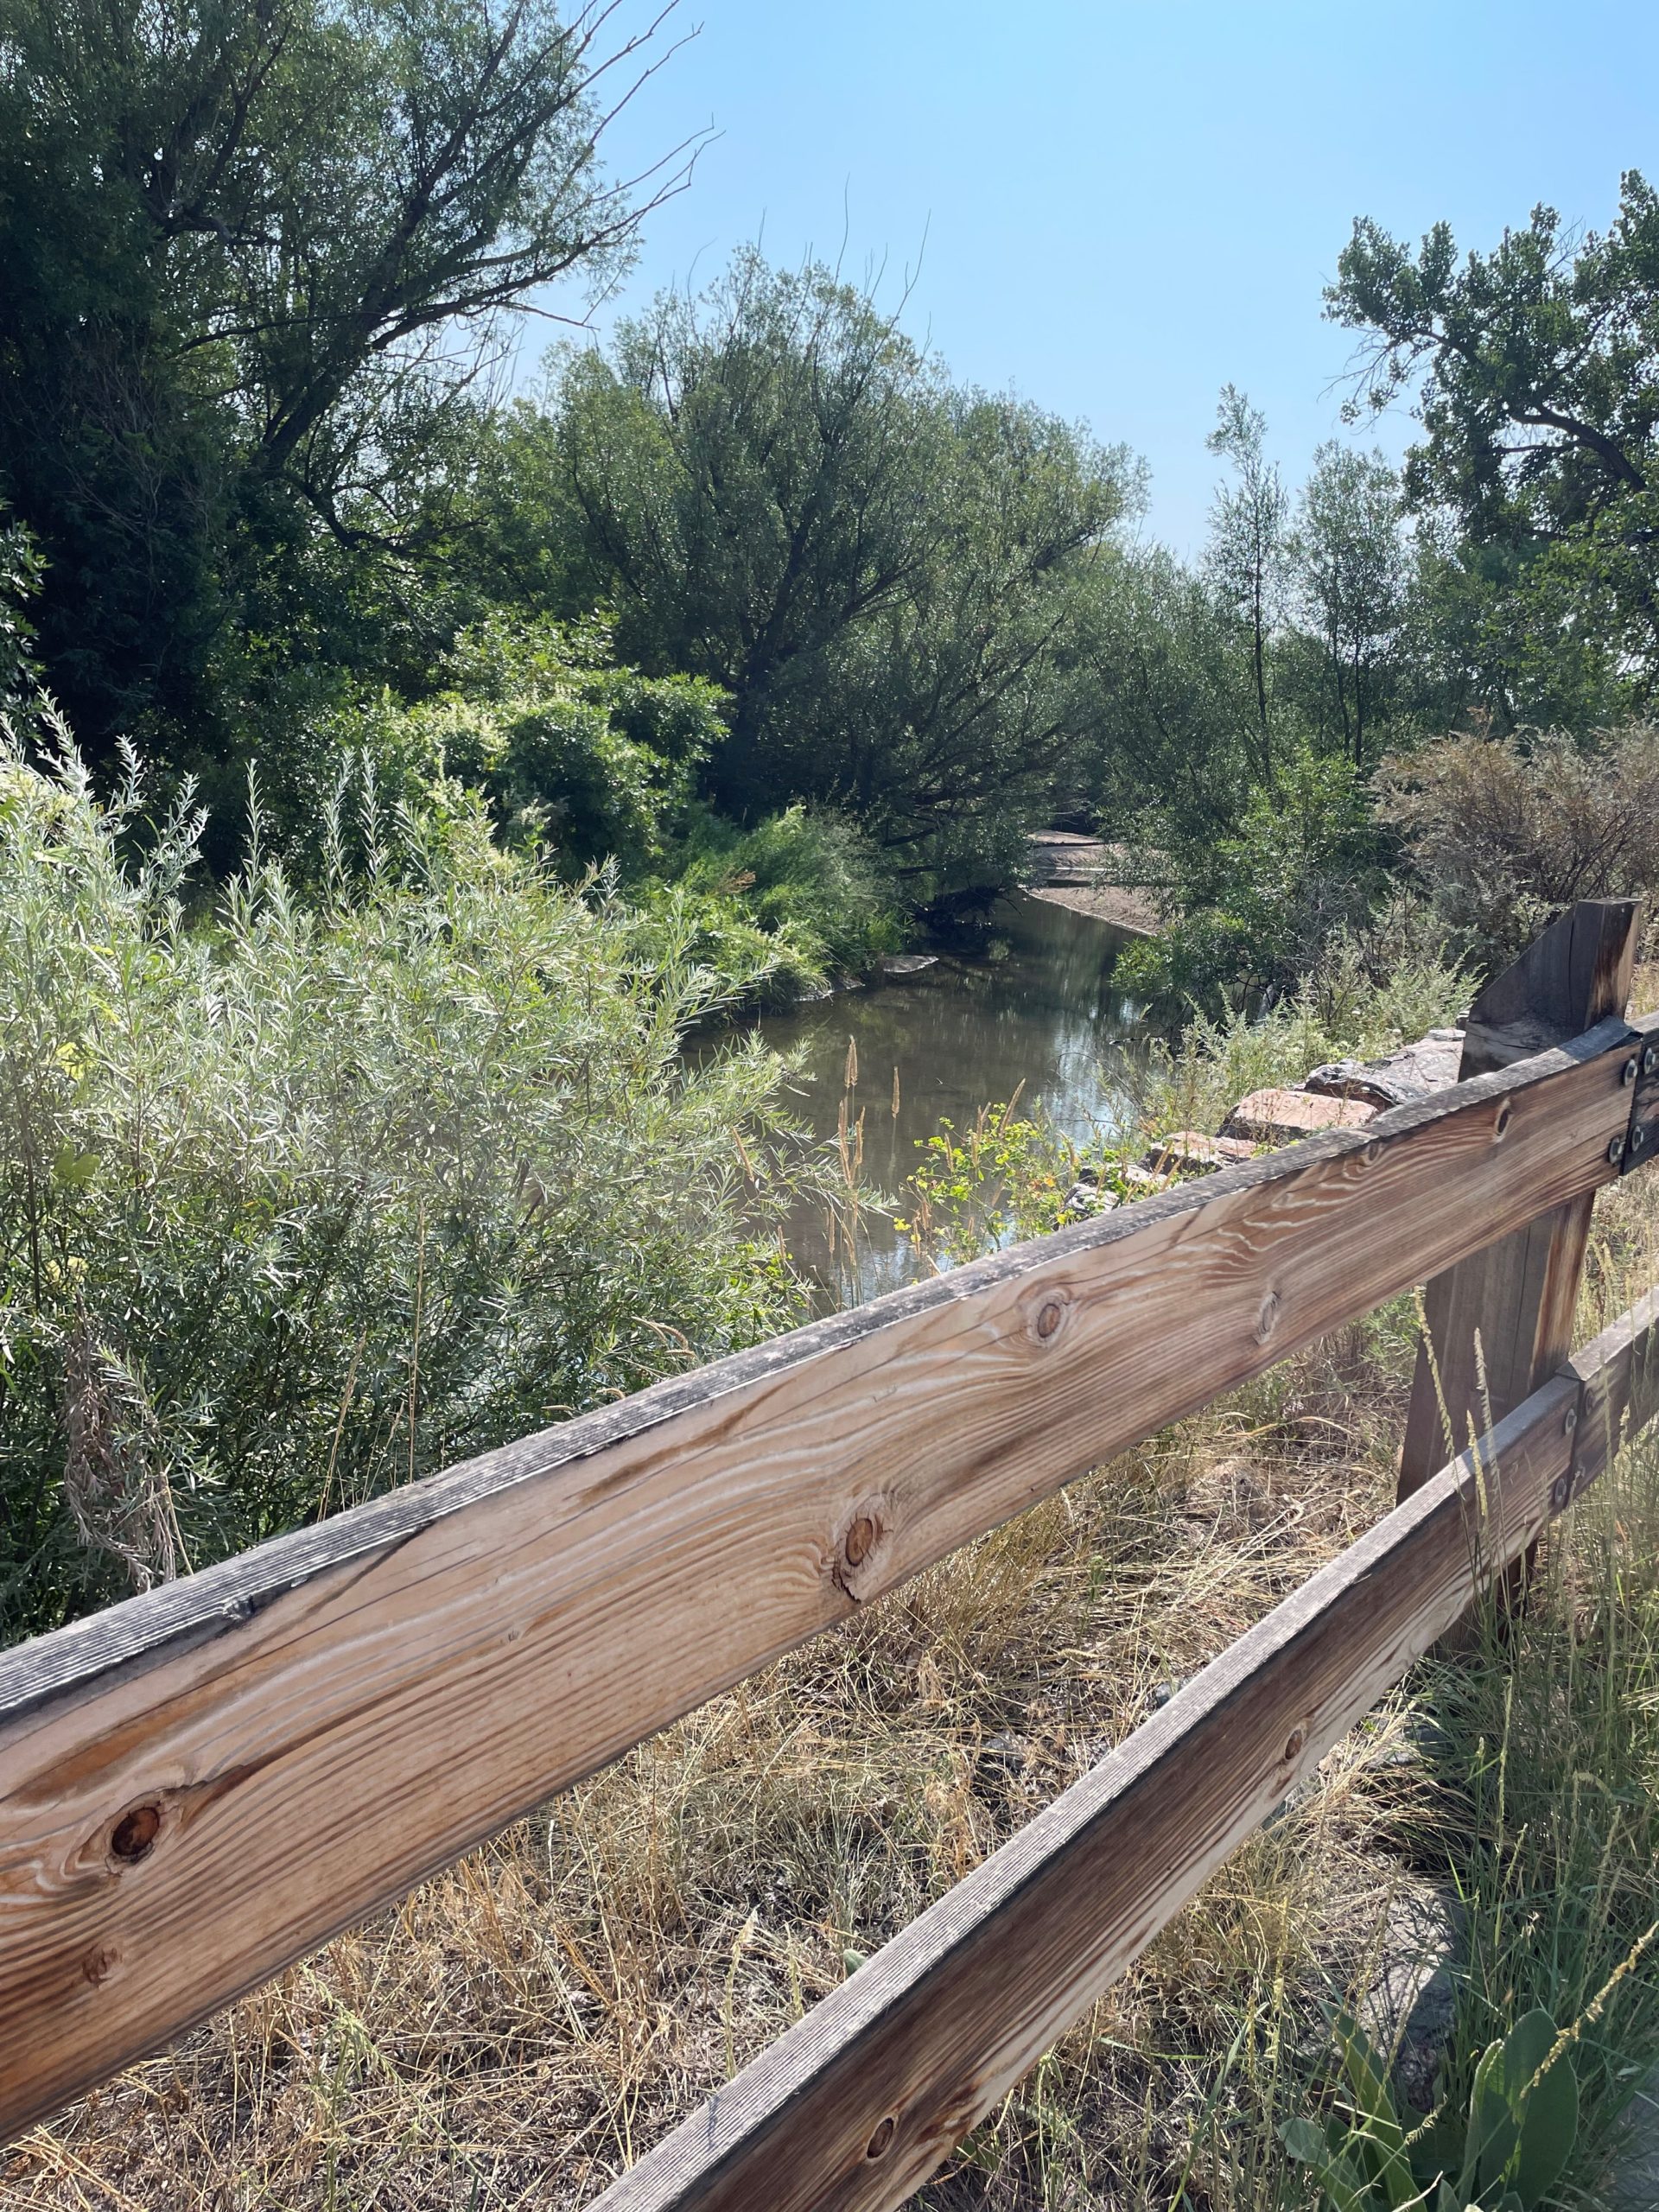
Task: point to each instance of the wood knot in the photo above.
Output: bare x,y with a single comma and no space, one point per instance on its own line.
862,1550
99,1963
1295,1744
880,2141
1046,1324
1501,1125
133,1837
860,1539
1267,1318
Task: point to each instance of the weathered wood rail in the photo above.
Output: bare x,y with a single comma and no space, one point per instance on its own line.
199,1785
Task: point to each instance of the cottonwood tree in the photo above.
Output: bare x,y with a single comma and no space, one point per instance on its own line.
1245,556
1350,565
1536,372
257,254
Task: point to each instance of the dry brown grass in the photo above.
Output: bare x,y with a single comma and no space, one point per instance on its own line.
524,2026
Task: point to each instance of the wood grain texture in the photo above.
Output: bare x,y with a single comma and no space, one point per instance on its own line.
1619,1372
1502,1319
853,2108
300,1734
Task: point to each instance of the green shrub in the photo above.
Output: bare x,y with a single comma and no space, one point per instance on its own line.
593,764
813,881
1504,2152
1005,1179
21,568
1505,833
1365,997
1254,910
323,1196
589,761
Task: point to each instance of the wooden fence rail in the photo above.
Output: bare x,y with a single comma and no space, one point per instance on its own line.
853,2108
201,1784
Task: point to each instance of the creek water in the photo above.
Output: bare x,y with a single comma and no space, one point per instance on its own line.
1035,1012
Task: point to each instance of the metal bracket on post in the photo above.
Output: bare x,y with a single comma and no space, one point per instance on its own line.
1642,1073
1564,1488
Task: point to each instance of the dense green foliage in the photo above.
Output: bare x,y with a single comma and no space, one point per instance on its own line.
1505,2153
570,751
778,492
335,1191
753,637
255,254
759,553
1541,404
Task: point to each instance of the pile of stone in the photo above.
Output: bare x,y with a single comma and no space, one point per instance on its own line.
1342,1095
1346,1094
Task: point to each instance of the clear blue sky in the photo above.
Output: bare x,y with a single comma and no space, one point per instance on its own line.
1125,207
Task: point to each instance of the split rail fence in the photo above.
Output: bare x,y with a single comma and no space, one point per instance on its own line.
201,1784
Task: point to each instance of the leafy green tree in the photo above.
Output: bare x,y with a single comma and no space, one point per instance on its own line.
1496,638
257,254
1166,706
752,469
784,495
954,711
1537,366
1246,553
1351,569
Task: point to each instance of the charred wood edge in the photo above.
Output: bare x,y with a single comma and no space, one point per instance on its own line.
845,2062
197,1608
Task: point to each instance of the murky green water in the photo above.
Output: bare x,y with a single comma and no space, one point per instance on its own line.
1038,1009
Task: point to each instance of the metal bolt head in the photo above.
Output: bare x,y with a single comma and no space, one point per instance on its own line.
1569,1420
1638,1138
1650,1060
1628,1072
1615,1151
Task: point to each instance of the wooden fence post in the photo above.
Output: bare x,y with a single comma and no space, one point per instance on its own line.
1501,1322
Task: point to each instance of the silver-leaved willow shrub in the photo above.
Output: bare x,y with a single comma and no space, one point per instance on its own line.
302,1197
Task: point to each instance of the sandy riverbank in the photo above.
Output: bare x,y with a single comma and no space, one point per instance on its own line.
1123,908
